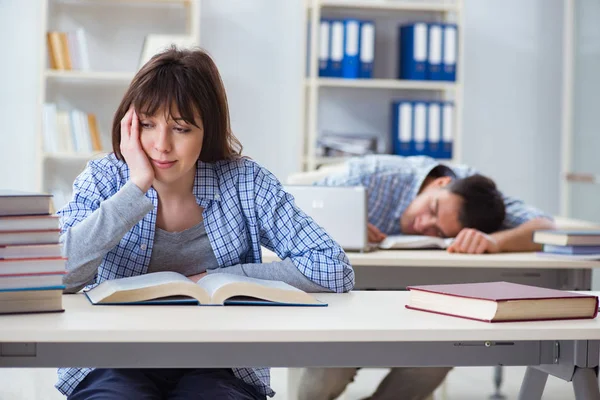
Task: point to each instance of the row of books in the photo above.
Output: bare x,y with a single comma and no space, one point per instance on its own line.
427,51
572,244
69,130
68,50
423,128
31,264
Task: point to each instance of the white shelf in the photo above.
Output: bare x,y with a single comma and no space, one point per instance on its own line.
80,2
391,84
74,156
395,5
89,76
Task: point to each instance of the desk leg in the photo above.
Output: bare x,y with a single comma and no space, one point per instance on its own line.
497,384
585,384
293,384
533,384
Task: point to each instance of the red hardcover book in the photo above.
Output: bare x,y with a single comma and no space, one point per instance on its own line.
502,302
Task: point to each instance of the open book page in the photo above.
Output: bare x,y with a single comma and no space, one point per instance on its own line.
145,287
414,242
225,288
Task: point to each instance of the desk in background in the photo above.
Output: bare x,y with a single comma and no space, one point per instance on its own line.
396,269
359,328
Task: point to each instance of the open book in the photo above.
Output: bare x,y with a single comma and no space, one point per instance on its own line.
215,289
414,242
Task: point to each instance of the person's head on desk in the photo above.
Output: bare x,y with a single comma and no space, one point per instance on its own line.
444,206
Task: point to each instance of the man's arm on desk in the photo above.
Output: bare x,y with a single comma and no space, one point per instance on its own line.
521,237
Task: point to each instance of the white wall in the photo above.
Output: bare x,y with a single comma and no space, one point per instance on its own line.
512,87
19,78
512,95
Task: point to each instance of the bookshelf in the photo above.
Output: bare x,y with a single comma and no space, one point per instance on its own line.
346,105
115,33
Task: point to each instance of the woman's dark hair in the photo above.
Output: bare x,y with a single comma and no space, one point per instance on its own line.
187,82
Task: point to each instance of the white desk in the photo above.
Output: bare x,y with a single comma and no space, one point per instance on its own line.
396,269
359,328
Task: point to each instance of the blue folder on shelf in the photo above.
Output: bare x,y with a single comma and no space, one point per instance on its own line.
351,47
402,127
413,51
367,49
450,52
434,129
419,128
336,48
447,130
434,52
324,39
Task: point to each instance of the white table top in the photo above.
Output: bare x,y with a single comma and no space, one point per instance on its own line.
441,258
369,316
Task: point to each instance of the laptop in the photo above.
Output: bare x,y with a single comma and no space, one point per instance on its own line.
340,210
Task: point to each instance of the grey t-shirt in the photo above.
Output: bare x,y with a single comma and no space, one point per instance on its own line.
187,252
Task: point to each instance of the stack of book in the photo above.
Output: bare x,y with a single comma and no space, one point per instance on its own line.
31,265
69,130
68,50
572,244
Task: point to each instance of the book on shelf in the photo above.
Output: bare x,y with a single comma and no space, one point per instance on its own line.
169,287
70,130
14,202
567,237
502,302
68,50
406,242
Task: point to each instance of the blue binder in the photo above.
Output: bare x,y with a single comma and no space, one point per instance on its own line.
367,49
434,129
324,38
336,48
435,52
351,48
447,130
402,128
450,52
419,137
413,51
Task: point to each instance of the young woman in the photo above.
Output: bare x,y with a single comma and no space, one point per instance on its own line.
177,195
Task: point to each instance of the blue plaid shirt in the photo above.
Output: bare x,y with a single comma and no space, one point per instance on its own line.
393,182
245,208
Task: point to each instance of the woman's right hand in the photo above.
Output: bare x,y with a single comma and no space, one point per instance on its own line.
140,169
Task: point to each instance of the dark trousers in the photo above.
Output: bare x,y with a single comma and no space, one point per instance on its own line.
163,384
